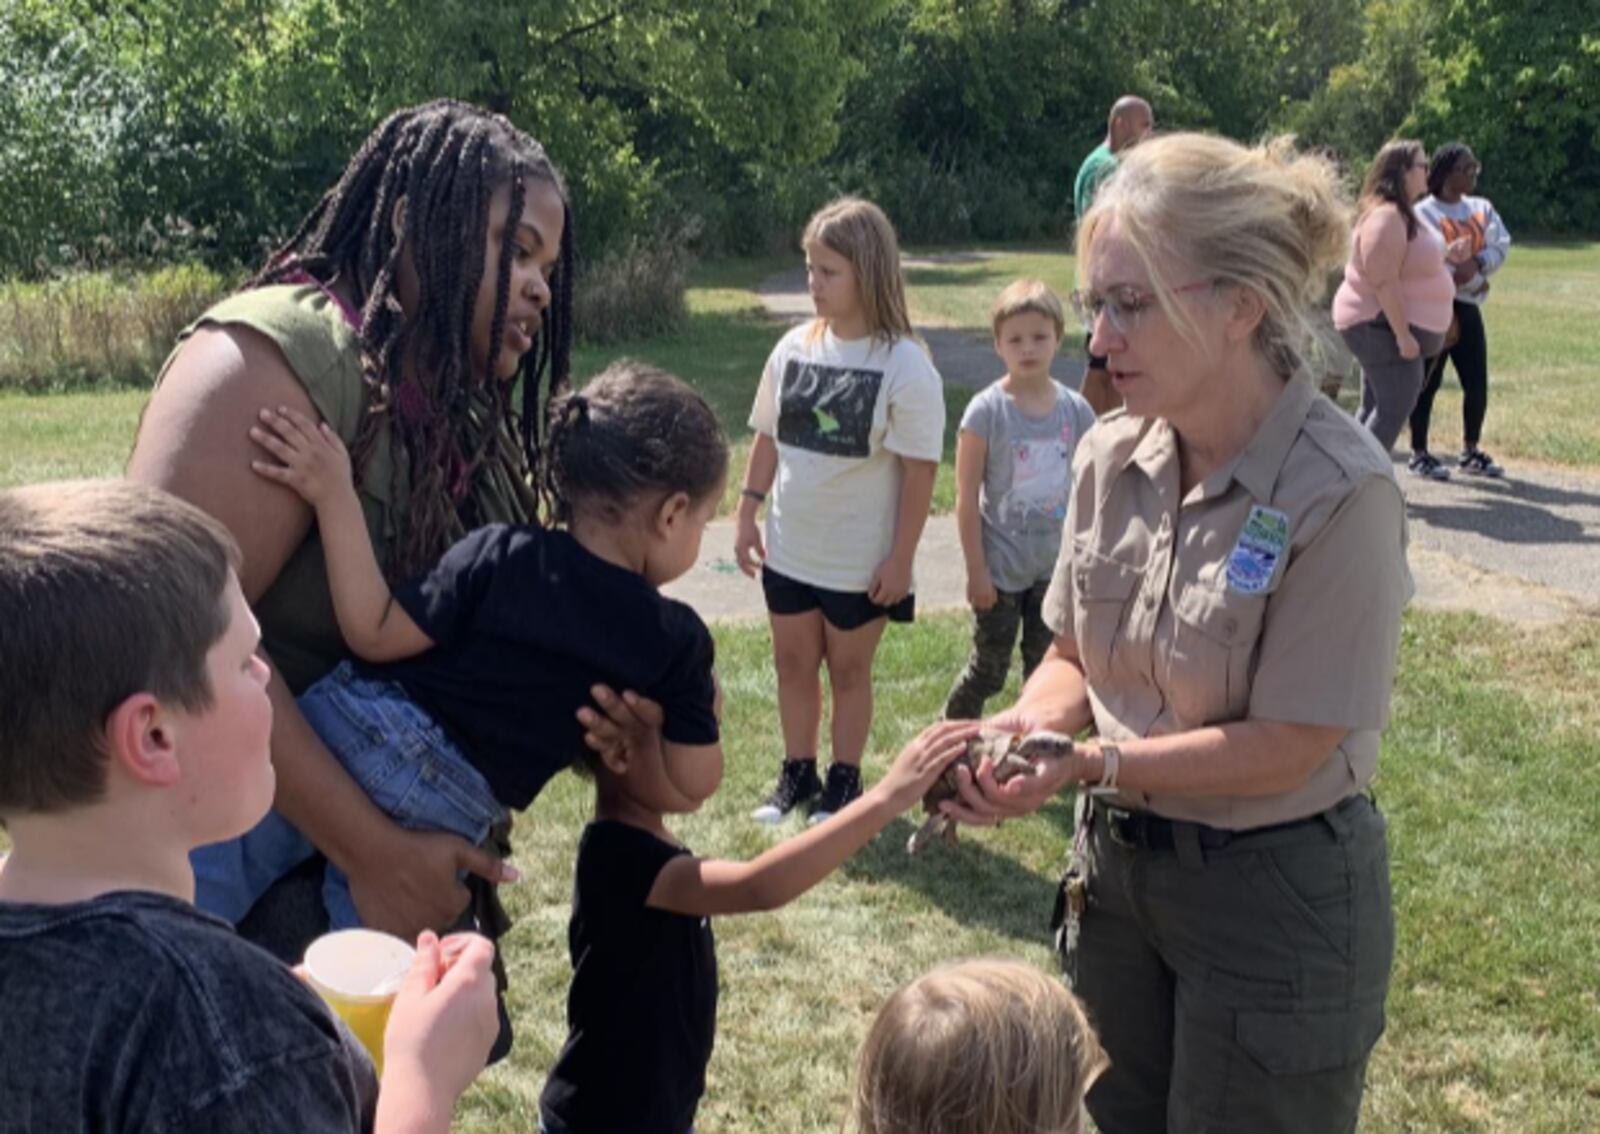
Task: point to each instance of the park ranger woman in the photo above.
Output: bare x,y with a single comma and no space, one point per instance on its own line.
1227,614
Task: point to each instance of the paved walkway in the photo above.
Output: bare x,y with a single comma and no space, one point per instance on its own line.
719,592
1526,548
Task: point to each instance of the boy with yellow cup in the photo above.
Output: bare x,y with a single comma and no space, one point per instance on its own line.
136,726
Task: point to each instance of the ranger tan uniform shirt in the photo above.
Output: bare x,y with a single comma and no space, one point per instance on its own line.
1273,591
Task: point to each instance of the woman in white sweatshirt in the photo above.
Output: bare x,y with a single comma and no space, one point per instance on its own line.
1450,208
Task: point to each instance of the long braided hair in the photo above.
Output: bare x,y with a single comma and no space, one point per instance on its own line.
444,160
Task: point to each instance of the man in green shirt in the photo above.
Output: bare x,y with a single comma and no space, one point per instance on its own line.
1130,120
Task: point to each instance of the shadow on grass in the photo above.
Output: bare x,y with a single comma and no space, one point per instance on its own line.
973,883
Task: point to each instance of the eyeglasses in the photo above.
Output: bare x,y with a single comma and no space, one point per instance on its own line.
1124,306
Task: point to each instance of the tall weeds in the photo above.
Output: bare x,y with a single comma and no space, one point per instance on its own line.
100,328
635,292
103,329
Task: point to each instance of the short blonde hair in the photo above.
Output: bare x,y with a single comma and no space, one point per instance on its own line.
860,232
1026,296
984,1046
1262,217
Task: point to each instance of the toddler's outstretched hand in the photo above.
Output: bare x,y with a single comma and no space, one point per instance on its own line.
921,761
312,459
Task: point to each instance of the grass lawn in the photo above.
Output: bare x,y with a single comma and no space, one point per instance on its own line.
1491,781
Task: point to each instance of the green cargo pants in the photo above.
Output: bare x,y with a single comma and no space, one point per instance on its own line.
1237,979
994,636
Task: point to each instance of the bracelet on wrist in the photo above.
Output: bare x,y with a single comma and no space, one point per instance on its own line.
753,494
1110,770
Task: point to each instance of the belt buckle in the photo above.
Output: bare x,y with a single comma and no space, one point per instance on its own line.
1119,825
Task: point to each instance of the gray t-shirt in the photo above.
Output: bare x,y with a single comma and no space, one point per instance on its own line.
136,1012
1027,477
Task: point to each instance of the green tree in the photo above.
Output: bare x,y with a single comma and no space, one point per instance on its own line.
1520,83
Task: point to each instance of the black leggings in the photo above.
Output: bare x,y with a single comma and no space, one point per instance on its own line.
1471,358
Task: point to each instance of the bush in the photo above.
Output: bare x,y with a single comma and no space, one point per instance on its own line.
634,292
98,328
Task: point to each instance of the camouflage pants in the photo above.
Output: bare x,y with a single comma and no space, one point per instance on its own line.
994,636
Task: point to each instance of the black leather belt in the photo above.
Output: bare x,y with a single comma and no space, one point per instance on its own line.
1144,830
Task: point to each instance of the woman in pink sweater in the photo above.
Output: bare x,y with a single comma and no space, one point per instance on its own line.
1393,307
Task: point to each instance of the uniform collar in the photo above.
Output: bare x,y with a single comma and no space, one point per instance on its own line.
1257,468
1156,450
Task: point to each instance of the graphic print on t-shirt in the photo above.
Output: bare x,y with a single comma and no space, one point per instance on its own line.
827,409
1041,477
1474,227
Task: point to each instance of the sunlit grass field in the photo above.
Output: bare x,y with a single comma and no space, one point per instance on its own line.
1490,779
1491,783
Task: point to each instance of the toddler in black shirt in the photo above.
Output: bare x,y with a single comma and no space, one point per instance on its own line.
462,703
641,1013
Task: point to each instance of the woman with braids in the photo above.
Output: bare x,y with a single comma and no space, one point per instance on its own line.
1472,221
430,281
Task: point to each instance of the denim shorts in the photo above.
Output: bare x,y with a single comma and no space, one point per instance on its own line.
398,755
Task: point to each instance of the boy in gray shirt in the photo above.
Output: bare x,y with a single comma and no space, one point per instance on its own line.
1013,476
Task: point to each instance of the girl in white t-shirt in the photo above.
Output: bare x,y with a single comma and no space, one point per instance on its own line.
849,425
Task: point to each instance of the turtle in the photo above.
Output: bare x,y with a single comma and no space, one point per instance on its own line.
1011,754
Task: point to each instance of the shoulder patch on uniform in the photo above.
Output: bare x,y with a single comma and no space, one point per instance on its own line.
1261,543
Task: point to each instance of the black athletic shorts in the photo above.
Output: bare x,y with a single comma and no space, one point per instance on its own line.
844,610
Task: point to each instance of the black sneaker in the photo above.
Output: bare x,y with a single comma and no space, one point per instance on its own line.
844,784
1427,466
1478,463
797,783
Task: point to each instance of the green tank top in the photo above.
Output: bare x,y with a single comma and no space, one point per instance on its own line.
298,628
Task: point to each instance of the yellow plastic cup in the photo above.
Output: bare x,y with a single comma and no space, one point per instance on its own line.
357,972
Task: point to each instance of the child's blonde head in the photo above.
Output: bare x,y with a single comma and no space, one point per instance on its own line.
858,231
977,1047
1023,297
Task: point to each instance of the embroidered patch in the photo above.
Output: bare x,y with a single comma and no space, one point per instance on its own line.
1256,552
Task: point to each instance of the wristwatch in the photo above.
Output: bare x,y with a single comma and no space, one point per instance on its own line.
1110,767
